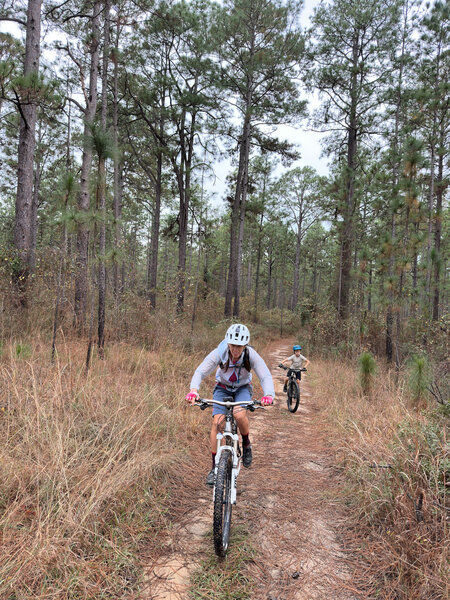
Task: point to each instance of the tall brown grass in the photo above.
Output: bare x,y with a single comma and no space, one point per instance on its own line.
86,459
89,461
395,460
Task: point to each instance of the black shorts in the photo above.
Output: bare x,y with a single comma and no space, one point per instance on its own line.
298,374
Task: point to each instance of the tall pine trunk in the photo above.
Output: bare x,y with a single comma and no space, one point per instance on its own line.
240,244
389,340
347,232
298,244
438,225
81,268
102,191
153,275
24,198
238,210
117,187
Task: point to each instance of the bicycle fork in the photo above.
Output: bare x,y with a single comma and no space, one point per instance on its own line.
230,438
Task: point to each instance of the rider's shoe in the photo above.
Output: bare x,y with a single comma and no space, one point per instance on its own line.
210,478
285,388
247,456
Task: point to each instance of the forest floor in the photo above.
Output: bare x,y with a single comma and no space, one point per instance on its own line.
288,501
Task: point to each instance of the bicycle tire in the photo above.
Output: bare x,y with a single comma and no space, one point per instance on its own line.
222,504
293,396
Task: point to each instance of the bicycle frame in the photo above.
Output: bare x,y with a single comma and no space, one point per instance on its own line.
231,439
292,388
226,470
231,443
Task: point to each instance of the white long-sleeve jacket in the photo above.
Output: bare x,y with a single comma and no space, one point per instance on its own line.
242,377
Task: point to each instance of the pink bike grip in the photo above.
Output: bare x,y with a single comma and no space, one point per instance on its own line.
191,396
266,400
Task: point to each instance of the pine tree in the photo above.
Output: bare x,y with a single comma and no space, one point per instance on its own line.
299,191
24,222
349,50
84,203
260,48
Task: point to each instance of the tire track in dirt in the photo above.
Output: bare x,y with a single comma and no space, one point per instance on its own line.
289,498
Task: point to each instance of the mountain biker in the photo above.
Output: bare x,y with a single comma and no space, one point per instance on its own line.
298,361
233,358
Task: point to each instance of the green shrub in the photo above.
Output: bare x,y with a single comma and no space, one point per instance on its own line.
367,370
419,378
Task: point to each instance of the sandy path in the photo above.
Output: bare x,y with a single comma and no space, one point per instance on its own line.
288,496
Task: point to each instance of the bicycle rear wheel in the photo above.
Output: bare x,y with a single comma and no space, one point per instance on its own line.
222,504
293,396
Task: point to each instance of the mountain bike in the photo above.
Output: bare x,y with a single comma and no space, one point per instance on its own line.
227,467
293,389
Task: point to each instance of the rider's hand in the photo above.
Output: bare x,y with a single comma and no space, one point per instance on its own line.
192,396
266,400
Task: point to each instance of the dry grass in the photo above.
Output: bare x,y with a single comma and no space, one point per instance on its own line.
396,463
86,461
89,463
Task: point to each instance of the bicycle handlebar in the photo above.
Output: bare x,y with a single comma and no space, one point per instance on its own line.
286,368
228,404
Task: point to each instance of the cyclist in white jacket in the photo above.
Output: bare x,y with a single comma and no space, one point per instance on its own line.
233,360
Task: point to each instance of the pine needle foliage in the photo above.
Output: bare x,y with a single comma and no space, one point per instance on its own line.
419,379
367,371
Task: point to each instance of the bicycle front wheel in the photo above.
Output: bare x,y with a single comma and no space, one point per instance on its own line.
293,396
222,504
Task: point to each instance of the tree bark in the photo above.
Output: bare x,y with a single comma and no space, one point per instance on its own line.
347,226
438,226
34,216
240,244
117,188
27,142
347,232
269,279
389,341
155,233
296,279
258,265
183,174
81,268
102,191
236,215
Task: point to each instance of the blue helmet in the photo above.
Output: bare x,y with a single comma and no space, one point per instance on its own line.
297,347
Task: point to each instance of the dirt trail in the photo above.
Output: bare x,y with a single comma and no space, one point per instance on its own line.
288,496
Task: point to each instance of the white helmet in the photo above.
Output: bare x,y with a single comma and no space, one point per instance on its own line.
238,335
